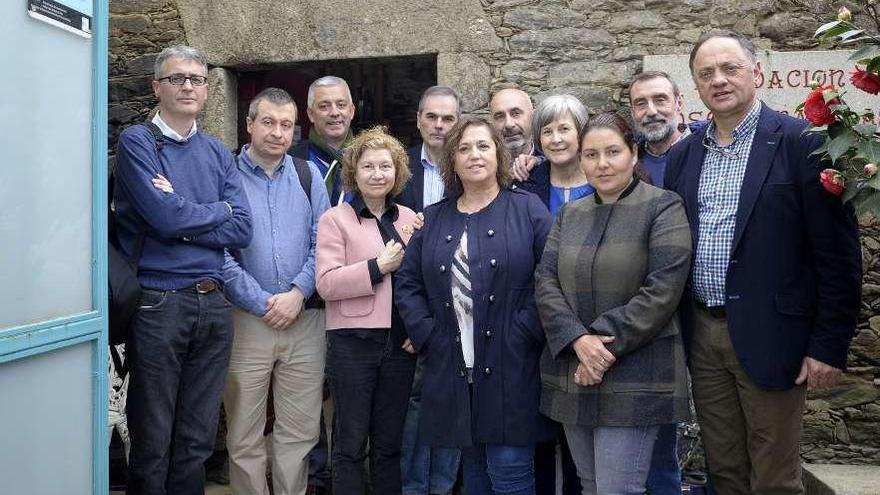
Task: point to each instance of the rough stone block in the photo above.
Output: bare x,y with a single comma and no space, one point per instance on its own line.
539,18
220,117
131,24
557,39
469,74
831,479
849,391
128,6
141,65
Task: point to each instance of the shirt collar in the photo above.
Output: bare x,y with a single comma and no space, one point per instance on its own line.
246,162
168,132
744,128
426,162
360,207
626,192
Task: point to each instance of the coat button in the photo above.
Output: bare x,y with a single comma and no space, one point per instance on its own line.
442,268
448,238
491,232
488,333
458,338
493,262
446,304
487,371
491,298
461,373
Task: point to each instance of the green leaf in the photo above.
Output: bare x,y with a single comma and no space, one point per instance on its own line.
874,182
873,65
833,32
825,27
850,34
841,144
866,130
870,149
865,52
868,202
851,190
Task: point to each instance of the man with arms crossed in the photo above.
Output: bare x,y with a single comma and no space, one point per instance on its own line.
187,204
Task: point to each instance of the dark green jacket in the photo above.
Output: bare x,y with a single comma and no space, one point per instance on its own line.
616,269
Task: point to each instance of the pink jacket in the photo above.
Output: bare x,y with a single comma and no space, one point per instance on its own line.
345,244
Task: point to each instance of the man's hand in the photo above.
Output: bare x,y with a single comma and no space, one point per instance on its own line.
522,166
162,184
390,258
283,309
817,374
408,347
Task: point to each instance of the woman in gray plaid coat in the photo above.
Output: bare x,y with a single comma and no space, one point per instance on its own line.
608,286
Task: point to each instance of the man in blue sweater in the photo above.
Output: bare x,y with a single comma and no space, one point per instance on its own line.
277,338
180,205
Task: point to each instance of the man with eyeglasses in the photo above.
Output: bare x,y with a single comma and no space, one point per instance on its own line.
178,205
775,288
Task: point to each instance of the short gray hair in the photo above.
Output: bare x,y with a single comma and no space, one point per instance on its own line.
745,43
440,91
178,51
327,82
275,96
555,107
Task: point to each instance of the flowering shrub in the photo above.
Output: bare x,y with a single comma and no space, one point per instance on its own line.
852,144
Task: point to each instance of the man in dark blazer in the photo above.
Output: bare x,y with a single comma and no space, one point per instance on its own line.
426,469
438,112
775,287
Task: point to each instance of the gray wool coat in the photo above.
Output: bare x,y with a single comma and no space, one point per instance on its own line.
616,269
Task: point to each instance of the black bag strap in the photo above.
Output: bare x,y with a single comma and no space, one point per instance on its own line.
305,176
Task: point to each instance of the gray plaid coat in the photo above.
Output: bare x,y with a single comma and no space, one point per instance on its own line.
616,269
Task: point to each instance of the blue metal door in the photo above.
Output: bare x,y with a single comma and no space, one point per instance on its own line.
53,259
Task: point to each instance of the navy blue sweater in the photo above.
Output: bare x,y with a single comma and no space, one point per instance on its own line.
187,230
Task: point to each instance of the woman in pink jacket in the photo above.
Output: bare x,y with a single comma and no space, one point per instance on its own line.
370,362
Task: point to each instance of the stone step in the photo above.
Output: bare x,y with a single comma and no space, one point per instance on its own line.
841,479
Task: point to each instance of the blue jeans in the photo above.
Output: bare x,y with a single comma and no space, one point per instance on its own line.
664,477
426,470
499,469
612,460
178,355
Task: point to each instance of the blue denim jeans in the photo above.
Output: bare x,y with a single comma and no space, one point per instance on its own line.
612,460
178,355
426,470
664,477
499,470
370,384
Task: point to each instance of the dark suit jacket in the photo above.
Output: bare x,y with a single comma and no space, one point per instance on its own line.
794,278
505,242
413,196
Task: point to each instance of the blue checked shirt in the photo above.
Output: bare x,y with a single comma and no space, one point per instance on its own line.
433,183
717,199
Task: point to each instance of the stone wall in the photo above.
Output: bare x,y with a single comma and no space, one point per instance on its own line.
585,47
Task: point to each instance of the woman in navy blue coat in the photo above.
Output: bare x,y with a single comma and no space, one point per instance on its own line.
466,294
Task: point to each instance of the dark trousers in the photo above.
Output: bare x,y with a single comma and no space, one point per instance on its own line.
178,355
545,467
370,383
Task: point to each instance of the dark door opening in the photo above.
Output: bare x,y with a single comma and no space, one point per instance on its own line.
385,90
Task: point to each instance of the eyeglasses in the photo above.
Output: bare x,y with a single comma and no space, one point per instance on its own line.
180,79
725,151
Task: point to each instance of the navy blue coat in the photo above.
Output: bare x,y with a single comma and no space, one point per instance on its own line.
794,278
413,195
505,243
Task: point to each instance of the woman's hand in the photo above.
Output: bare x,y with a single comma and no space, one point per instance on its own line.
594,357
408,347
390,258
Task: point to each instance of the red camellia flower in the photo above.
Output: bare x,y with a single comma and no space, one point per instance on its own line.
832,181
866,81
815,108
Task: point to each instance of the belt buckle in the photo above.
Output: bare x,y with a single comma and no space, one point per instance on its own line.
206,286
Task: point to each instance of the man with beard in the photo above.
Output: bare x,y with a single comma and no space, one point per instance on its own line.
510,110
656,103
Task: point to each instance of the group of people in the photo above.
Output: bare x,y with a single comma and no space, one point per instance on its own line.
535,296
